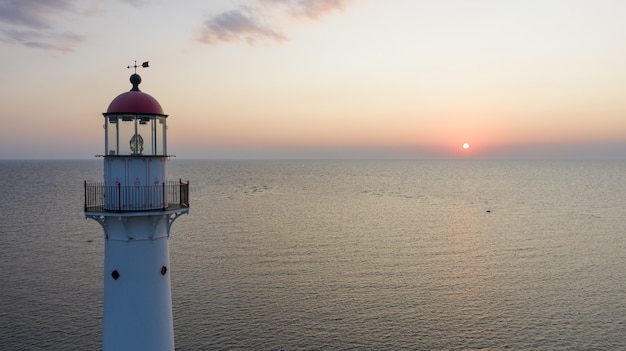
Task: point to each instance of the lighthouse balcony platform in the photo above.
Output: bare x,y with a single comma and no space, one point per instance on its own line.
167,196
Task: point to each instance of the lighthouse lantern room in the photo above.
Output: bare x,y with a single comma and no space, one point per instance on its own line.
136,206
135,124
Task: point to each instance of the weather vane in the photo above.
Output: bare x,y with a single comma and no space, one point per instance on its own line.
144,65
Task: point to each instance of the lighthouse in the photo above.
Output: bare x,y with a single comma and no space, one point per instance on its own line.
136,206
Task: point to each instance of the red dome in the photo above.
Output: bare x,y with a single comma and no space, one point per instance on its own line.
135,102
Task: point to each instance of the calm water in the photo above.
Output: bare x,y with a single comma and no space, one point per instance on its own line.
338,255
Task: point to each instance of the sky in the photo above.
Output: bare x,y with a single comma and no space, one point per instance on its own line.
321,78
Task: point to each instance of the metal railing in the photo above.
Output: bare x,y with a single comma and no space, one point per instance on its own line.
101,197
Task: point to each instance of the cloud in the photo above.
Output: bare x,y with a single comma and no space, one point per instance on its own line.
43,40
246,23
32,13
242,24
32,23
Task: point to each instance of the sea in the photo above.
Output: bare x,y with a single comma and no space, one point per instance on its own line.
337,255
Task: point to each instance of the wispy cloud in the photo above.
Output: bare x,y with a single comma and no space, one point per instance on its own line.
235,25
256,21
65,41
32,23
32,13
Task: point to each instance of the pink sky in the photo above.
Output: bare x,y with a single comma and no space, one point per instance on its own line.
294,78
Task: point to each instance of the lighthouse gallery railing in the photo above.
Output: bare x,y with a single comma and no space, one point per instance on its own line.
171,194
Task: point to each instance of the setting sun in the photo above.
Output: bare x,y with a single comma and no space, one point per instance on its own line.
466,146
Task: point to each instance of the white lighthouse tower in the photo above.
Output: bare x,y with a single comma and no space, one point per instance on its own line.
136,205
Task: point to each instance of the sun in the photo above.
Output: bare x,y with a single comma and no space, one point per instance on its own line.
466,146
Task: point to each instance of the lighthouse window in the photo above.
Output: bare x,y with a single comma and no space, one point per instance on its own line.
135,135
111,131
126,131
144,128
159,138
